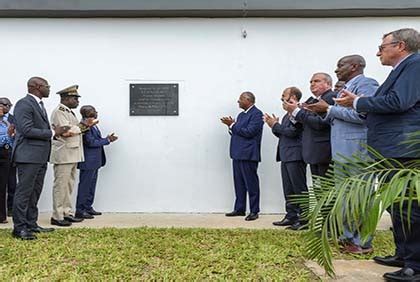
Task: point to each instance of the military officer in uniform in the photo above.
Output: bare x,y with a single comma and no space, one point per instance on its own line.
66,152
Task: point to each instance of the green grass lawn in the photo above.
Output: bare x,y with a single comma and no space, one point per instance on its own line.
171,254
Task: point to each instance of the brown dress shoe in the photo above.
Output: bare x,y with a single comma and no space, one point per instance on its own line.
355,249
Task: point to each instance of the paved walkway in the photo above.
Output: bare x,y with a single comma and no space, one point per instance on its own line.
181,220
355,270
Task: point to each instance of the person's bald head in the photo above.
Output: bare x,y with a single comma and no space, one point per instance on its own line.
349,67
246,100
38,86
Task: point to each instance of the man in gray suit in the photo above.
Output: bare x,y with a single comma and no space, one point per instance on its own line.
31,151
348,129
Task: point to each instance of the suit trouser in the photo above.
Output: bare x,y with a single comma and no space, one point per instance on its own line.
350,232
319,169
64,178
407,241
86,190
28,190
246,180
11,186
4,173
293,176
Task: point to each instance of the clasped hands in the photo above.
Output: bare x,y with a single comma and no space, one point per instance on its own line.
346,99
227,120
64,131
112,137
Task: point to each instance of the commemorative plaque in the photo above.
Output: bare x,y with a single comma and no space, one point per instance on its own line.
154,99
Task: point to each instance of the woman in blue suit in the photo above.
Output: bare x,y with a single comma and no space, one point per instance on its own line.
93,147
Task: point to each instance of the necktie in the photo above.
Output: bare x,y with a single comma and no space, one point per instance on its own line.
43,109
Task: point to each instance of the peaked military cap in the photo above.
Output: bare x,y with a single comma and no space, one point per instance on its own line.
69,91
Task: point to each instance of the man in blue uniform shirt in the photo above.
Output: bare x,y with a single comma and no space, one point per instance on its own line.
6,142
11,182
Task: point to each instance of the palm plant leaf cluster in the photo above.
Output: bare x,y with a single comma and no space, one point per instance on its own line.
355,193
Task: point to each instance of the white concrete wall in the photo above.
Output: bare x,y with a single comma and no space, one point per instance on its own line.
181,163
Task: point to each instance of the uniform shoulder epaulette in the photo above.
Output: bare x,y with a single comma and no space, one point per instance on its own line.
83,127
61,108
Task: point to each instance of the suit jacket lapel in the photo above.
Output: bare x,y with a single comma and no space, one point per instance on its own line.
392,77
97,131
37,107
353,86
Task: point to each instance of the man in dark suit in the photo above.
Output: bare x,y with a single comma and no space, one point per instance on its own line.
31,151
393,113
245,147
289,152
94,159
11,181
316,147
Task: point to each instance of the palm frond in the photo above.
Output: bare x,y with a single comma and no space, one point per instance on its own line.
357,190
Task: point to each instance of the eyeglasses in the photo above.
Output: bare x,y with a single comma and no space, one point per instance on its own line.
6,105
382,46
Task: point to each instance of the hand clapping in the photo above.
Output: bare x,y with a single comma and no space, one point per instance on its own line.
270,120
227,120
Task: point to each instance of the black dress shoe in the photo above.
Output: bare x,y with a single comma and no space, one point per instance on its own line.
405,274
390,261
40,229
93,212
71,218
235,213
60,222
84,215
298,226
23,234
251,216
284,222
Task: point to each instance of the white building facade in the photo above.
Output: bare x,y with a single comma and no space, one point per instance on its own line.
181,163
